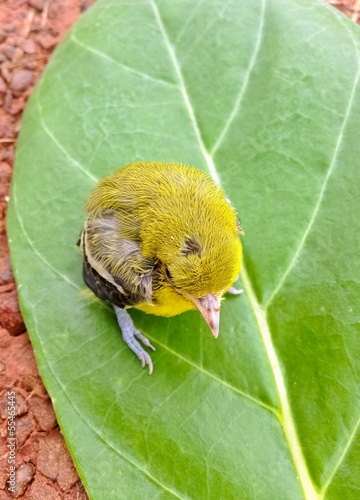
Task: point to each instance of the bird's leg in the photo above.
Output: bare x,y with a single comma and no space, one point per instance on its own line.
129,332
234,291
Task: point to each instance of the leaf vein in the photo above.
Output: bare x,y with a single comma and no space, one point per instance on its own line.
341,458
57,143
286,418
188,21
246,80
184,92
286,421
34,249
94,429
322,190
125,67
219,380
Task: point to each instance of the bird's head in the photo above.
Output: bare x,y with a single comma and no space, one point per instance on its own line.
198,248
201,270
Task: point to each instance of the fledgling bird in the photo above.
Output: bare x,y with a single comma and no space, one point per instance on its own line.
160,237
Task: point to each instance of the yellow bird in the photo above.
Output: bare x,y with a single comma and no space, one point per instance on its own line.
163,238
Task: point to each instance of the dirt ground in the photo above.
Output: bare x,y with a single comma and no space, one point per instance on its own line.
29,32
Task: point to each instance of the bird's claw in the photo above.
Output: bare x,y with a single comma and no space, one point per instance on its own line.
141,353
145,360
234,291
135,346
130,333
143,339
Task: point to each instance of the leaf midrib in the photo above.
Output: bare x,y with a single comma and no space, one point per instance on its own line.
208,157
98,432
287,421
67,395
74,285
260,313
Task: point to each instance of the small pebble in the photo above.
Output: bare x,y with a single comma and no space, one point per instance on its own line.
47,42
10,315
29,46
25,426
10,51
28,382
24,475
21,79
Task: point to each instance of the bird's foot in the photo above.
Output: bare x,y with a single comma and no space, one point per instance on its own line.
129,332
235,291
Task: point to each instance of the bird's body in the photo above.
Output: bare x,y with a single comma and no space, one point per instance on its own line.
160,237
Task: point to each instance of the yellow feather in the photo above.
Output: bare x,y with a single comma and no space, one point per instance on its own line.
180,220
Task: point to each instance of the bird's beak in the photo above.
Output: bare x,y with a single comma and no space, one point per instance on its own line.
209,306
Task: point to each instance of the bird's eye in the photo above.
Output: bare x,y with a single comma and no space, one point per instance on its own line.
168,273
191,246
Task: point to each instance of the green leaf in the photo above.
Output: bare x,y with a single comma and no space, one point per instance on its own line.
265,96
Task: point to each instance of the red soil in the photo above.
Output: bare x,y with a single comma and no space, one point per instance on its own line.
29,32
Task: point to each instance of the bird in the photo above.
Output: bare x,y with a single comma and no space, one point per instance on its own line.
164,239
